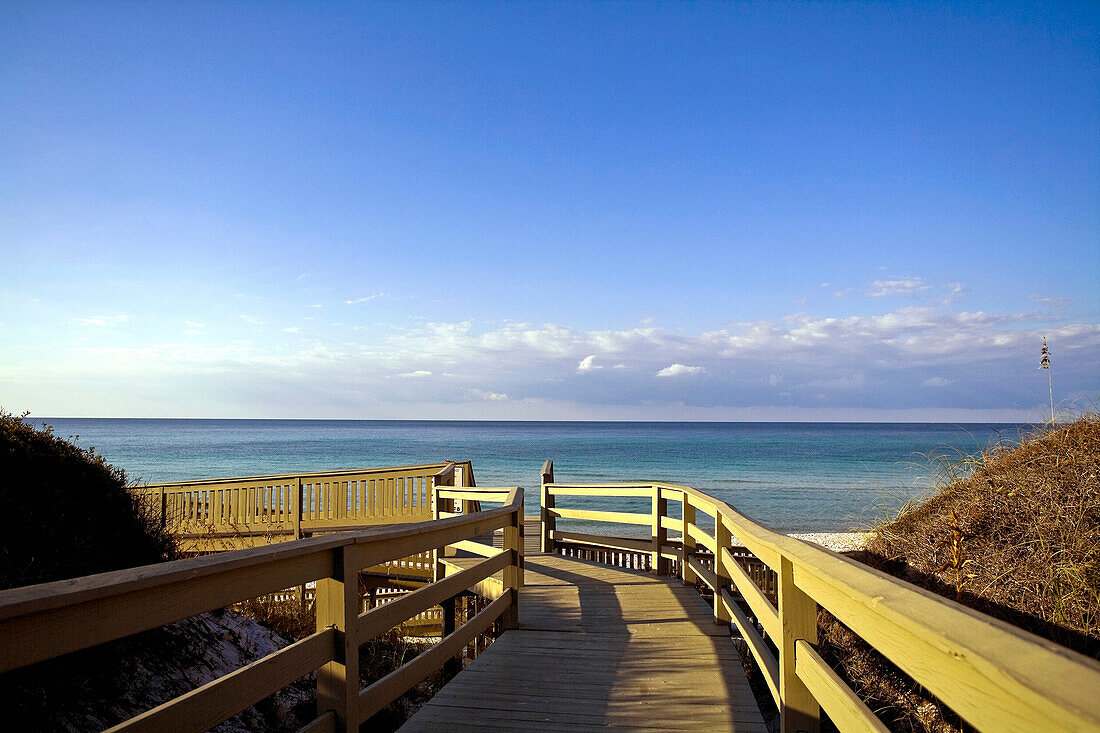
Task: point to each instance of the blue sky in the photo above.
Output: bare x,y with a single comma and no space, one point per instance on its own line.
546,211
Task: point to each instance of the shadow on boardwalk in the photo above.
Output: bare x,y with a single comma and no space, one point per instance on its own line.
600,646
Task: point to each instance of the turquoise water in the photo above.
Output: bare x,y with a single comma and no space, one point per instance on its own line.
790,476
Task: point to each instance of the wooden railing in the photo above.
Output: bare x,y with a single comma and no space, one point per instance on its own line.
994,675
45,621
229,513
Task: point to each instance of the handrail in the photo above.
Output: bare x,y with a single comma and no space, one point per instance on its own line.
228,513
100,608
995,676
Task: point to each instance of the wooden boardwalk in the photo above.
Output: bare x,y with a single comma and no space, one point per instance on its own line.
600,647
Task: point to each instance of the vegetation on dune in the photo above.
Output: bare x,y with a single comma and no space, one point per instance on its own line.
1018,537
1014,533
70,513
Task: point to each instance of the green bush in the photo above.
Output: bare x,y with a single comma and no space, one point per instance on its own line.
67,512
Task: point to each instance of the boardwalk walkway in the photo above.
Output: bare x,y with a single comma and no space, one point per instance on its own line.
600,647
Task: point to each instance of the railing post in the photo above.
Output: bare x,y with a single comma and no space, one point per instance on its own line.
659,533
546,543
337,604
447,475
687,549
513,540
722,538
451,666
460,480
799,711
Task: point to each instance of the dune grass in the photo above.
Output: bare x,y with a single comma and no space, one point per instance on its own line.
1013,532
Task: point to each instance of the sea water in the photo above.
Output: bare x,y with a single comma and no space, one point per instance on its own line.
807,477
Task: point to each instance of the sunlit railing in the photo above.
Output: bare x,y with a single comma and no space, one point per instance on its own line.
993,675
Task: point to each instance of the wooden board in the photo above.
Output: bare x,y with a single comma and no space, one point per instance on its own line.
600,647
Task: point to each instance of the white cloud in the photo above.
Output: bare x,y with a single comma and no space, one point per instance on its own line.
588,364
901,286
292,329
818,360
1052,302
102,321
488,396
194,324
353,301
936,382
679,370
252,319
316,305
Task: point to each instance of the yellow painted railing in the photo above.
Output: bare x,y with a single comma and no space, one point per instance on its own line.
45,621
292,506
994,675
216,515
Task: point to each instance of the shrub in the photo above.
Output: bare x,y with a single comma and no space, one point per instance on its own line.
68,513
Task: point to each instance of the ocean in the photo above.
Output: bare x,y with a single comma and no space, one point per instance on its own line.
793,477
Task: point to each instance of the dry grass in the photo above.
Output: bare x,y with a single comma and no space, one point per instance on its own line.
1015,533
1018,537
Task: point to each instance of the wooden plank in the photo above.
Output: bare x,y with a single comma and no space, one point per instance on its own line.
383,618
512,575
409,539
598,516
483,494
765,612
799,712
425,468
702,503
844,708
722,577
97,609
642,490
997,677
476,548
220,699
618,543
108,606
704,574
677,525
336,603
767,662
380,694
701,537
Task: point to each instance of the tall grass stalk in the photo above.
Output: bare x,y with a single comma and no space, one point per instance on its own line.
1044,363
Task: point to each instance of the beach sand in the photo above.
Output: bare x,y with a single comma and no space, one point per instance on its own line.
836,541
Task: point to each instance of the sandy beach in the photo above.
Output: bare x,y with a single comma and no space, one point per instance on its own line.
836,541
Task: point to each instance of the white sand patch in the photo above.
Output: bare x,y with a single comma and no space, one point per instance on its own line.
835,541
